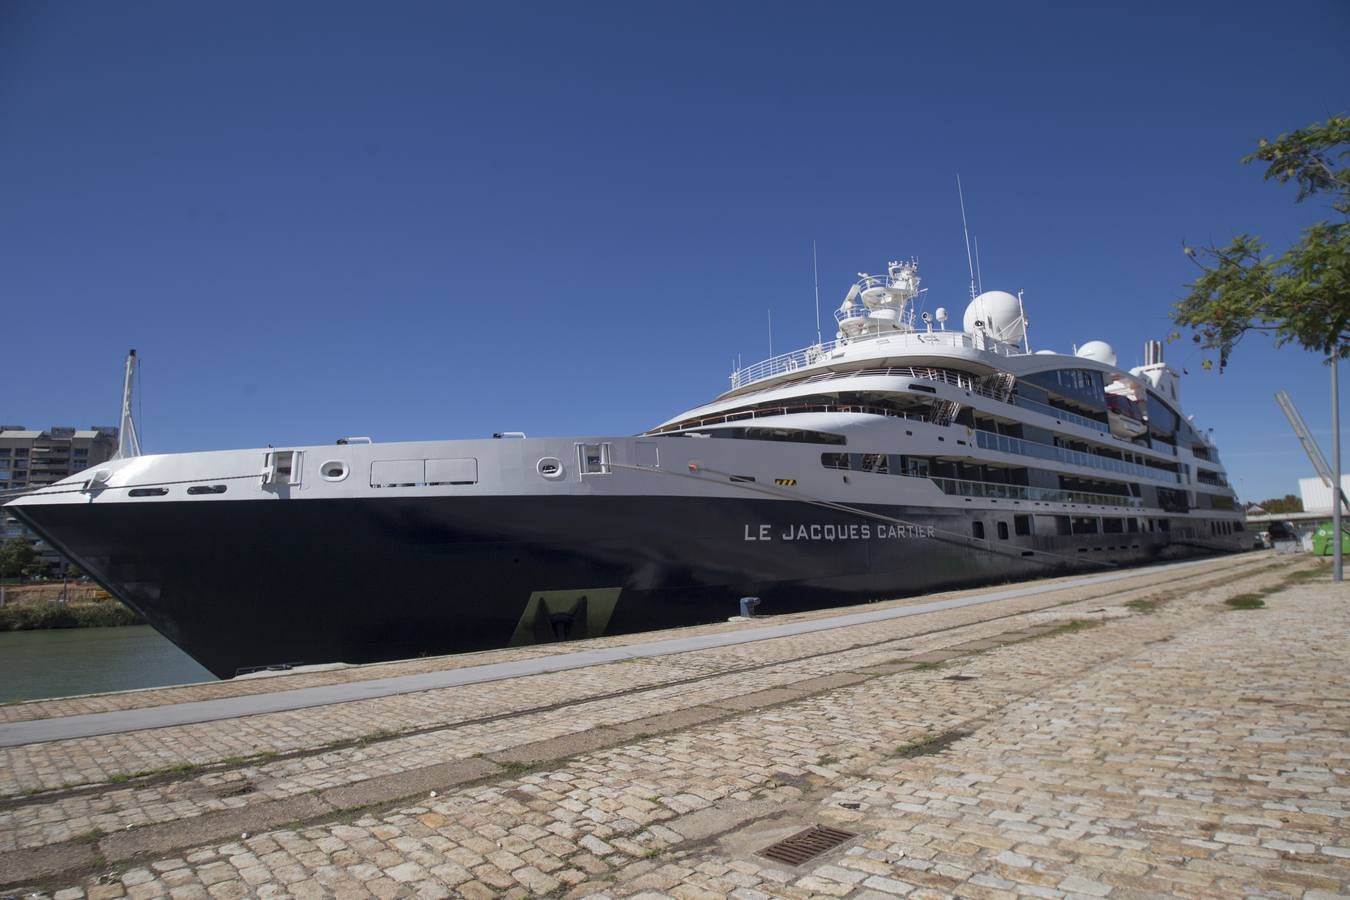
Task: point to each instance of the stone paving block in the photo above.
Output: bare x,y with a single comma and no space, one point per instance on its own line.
159,839
827,682
26,865
934,656
675,720
757,699
887,668
560,747
408,783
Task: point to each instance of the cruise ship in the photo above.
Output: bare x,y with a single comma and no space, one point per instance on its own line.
902,457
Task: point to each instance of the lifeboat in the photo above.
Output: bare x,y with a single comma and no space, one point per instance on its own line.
1125,416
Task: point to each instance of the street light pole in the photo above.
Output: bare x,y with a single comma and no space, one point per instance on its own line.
1336,465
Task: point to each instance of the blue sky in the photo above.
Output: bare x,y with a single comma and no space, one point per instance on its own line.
440,220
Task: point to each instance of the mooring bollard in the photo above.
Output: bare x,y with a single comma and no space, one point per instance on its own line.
748,605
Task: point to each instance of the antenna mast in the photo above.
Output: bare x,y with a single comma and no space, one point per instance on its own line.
815,275
770,333
128,444
969,261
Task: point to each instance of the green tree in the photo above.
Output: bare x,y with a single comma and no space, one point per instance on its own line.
17,557
1289,503
1301,296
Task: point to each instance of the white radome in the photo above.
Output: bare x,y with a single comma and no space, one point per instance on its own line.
1099,351
1001,314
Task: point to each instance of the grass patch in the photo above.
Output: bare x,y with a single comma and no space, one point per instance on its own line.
1303,575
91,836
927,666
1246,601
1145,605
927,746
1075,625
43,614
382,734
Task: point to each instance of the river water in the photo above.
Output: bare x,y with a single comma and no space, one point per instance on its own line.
64,661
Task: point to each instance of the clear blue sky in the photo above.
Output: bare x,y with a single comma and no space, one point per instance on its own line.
440,220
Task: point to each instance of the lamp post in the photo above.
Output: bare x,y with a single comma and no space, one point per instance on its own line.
1336,494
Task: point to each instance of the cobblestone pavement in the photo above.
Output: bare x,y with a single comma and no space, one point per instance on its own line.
1150,741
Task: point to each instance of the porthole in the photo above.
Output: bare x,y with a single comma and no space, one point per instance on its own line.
333,470
550,467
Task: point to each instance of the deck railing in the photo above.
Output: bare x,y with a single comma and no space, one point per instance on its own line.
818,353
782,409
960,488
1005,444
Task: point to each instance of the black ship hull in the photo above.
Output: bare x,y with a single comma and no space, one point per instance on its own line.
247,584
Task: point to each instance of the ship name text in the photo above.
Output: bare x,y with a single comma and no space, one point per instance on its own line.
854,532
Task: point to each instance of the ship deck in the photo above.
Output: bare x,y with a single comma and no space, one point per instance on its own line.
1117,734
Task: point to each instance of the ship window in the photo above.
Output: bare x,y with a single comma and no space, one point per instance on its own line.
148,492
1002,531
977,529
1022,524
206,489
1112,525
549,467
834,460
872,462
333,470
594,458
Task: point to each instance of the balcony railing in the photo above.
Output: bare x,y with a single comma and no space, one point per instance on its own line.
1005,444
818,353
782,409
1060,414
960,488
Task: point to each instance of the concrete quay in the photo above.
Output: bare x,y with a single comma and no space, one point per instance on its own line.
1123,738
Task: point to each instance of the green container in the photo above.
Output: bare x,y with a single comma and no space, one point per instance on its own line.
1322,540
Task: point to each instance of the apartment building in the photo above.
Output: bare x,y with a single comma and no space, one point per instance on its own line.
30,459
34,458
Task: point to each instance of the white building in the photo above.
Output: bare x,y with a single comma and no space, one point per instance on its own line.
1317,496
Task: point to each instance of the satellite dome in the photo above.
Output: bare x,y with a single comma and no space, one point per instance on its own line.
1001,315
1098,351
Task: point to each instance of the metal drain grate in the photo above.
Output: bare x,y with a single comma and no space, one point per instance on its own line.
805,844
